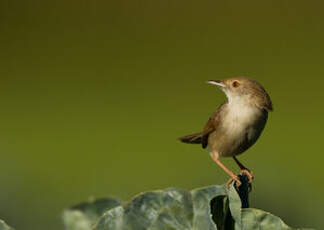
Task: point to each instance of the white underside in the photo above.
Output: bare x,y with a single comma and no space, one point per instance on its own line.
240,116
236,125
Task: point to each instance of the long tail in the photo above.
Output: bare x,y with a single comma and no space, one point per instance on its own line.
192,138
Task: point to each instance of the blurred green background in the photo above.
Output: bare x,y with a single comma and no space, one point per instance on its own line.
93,95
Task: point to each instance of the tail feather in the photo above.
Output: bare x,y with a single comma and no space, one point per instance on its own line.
192,138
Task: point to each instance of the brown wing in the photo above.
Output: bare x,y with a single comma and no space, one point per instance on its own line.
211,125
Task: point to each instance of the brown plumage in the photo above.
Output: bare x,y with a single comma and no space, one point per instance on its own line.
210,126
237,123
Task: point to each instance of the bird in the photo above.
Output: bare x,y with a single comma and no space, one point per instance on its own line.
236,124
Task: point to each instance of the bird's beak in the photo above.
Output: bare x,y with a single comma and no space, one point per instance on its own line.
216,82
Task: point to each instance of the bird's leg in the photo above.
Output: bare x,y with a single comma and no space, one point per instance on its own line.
214,156
244,170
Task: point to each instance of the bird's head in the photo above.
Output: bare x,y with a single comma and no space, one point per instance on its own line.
244,88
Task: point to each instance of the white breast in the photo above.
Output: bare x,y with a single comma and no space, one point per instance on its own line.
240,126
240,116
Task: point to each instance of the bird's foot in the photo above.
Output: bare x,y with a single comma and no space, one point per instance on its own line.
237,182
248,173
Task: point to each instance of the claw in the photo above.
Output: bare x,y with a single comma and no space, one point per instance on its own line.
248,173
237,182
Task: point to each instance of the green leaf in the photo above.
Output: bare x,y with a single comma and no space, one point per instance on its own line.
168,209
4,226
254,219
83,216
210,208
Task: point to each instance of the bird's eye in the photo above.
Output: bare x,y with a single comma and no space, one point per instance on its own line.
235,84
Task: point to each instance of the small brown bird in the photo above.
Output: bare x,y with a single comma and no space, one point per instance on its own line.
236,124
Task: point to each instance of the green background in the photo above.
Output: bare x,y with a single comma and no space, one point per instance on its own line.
93,95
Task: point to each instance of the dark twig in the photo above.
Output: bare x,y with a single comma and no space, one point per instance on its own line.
244,189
